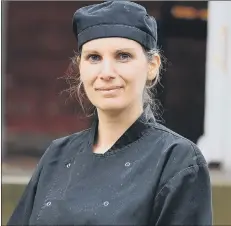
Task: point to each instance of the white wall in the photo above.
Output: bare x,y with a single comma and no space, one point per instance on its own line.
216,142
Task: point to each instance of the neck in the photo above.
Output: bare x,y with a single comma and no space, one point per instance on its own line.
112,126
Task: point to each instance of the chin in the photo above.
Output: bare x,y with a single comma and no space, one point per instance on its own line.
111,106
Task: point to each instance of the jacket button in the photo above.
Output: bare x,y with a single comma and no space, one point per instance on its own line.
106,203
48,203
127,164
68,165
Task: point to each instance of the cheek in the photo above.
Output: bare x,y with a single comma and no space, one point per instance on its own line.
135,77
86,75
87,81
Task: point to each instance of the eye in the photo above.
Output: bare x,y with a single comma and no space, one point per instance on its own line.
124,57
93,58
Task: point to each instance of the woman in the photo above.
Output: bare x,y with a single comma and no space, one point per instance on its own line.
126,169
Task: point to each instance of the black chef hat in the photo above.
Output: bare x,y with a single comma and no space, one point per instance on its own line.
115,19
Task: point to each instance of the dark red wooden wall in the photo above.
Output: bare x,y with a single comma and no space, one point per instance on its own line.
39,46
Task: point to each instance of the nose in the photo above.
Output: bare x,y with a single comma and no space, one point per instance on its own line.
107,70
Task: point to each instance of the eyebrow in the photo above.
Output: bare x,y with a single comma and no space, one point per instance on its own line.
117,51
89,51
125,49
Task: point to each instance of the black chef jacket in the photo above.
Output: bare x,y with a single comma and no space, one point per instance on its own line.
151,176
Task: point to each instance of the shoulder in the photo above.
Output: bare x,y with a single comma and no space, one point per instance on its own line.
177,145
75,137
60,148
176,153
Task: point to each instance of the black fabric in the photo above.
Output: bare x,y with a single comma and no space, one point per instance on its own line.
115,19
152,176
133,133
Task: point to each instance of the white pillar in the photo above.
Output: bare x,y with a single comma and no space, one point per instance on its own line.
216,141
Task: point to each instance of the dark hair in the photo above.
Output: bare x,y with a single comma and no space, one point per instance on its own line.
76,89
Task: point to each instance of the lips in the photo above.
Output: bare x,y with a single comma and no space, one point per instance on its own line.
108,88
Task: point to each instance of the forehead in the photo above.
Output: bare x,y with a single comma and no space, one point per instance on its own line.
113,43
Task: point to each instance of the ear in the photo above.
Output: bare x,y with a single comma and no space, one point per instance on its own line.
153,67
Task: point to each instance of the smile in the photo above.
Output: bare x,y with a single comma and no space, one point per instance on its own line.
109,88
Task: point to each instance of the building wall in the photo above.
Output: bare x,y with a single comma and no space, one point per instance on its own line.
39,44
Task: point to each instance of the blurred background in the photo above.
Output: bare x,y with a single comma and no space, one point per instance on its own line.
37,45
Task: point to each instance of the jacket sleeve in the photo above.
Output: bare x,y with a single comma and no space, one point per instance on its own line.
185,199
23,210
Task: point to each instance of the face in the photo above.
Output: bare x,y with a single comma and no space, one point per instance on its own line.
114,72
